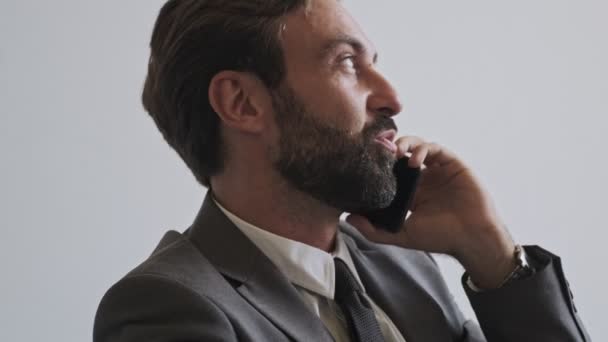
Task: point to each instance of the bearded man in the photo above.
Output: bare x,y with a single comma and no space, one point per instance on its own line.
278,108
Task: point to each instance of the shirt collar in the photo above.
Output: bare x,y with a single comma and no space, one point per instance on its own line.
304,265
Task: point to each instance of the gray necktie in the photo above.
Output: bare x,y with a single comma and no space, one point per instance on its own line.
361,320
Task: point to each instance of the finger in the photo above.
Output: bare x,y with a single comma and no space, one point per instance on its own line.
438,155
419,155
409,144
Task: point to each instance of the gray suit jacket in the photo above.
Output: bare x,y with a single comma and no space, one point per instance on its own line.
212,284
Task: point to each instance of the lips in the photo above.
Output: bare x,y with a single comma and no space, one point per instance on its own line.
386,139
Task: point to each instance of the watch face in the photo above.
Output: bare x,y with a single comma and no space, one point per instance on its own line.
523,269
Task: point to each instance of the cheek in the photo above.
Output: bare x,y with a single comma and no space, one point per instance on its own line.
337,101
351,112
346,106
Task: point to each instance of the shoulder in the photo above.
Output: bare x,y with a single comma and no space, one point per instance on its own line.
169,288
177,261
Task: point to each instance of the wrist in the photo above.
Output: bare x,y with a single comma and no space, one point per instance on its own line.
492,275
489,261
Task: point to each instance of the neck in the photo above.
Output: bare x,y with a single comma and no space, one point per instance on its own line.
278,208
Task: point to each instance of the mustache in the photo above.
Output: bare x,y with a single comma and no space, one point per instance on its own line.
382,124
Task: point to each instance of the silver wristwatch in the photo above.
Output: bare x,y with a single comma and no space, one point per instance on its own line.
523,268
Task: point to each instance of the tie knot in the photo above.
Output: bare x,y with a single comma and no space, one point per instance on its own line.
346,284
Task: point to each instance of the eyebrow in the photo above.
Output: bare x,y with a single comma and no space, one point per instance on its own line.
344,39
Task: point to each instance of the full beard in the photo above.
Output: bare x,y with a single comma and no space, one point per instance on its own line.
348,172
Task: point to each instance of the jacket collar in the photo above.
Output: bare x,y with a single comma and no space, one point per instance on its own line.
262,284
402,295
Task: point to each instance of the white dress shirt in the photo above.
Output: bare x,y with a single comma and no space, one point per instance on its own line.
311,271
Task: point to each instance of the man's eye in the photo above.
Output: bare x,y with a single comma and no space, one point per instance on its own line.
348,61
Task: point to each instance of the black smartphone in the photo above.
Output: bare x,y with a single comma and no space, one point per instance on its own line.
391,218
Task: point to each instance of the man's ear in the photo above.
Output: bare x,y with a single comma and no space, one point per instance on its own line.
241,100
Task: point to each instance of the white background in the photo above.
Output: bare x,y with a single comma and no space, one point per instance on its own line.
519,89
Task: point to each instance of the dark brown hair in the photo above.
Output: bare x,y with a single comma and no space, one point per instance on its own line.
192,41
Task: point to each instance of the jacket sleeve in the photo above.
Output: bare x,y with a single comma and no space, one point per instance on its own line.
537,308
150,307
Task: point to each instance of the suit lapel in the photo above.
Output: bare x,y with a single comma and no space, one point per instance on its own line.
262,284
413,311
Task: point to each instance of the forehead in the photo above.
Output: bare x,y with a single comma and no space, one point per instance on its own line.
309,30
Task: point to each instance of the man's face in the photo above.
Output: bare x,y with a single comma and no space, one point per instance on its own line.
330,109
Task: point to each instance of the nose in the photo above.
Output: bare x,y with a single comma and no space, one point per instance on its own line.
383,99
